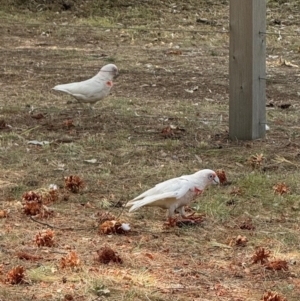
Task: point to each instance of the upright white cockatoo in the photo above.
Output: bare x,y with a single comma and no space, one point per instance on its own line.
93,89
175,193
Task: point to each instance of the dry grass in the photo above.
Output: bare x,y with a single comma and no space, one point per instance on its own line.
123,134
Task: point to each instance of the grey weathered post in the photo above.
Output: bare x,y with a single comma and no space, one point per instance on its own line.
247,68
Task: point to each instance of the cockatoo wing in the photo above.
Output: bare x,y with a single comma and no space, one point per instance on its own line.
162,195
164,200
89,90
166,186
93,89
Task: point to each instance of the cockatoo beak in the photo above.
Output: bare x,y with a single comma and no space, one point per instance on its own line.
216,180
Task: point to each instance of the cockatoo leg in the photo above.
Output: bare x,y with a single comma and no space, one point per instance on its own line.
183,213
188,218
172,219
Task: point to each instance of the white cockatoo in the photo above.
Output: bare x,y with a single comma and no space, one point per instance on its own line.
93,89
175,193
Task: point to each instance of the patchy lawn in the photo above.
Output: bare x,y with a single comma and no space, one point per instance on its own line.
167,115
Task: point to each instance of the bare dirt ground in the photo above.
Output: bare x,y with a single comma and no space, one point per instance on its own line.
173,61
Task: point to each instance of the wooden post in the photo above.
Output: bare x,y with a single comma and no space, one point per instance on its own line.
247,68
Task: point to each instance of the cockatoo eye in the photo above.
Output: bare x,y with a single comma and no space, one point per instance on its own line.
211,176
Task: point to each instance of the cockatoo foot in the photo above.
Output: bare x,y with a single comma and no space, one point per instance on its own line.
172,222
190,220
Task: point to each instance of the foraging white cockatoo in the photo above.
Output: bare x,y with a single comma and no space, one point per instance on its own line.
175,193
93,89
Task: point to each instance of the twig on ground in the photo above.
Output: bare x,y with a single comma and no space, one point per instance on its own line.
55,227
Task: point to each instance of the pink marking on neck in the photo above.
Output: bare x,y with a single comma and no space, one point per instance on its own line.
197,191
109,83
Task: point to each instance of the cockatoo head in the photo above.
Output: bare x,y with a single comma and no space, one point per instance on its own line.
109,71
206,177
